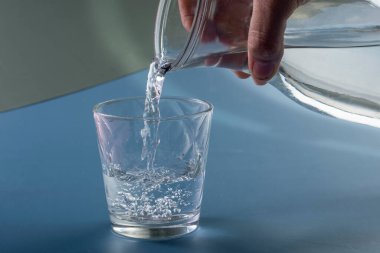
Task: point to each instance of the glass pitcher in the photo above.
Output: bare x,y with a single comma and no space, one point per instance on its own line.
319,32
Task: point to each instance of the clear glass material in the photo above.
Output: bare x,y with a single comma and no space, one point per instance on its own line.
164,200
214,32
329,45
343,83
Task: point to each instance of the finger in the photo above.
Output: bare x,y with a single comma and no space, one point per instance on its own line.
236,61
187,10
212,60
266,36
209,33
242,74
232,21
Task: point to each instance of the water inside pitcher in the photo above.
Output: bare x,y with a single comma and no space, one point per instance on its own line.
329,64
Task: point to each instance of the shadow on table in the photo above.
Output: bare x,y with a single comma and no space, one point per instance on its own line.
214,235
217,235
58,239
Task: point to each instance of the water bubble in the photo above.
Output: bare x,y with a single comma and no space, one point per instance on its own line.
157,193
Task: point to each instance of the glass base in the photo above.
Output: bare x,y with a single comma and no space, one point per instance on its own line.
157,231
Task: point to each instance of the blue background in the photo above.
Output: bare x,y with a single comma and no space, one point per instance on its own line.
279,178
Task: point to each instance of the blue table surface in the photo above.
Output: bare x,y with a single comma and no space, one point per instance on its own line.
280,178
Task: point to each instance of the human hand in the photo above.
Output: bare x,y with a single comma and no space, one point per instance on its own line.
266,36
258,24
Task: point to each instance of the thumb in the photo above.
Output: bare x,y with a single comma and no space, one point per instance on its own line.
266,36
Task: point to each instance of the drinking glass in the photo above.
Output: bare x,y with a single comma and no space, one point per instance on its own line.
162,200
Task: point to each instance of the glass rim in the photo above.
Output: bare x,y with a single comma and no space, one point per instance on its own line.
100,105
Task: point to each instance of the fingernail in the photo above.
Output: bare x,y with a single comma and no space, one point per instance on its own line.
263,70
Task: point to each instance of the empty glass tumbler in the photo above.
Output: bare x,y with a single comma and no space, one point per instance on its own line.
162,200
